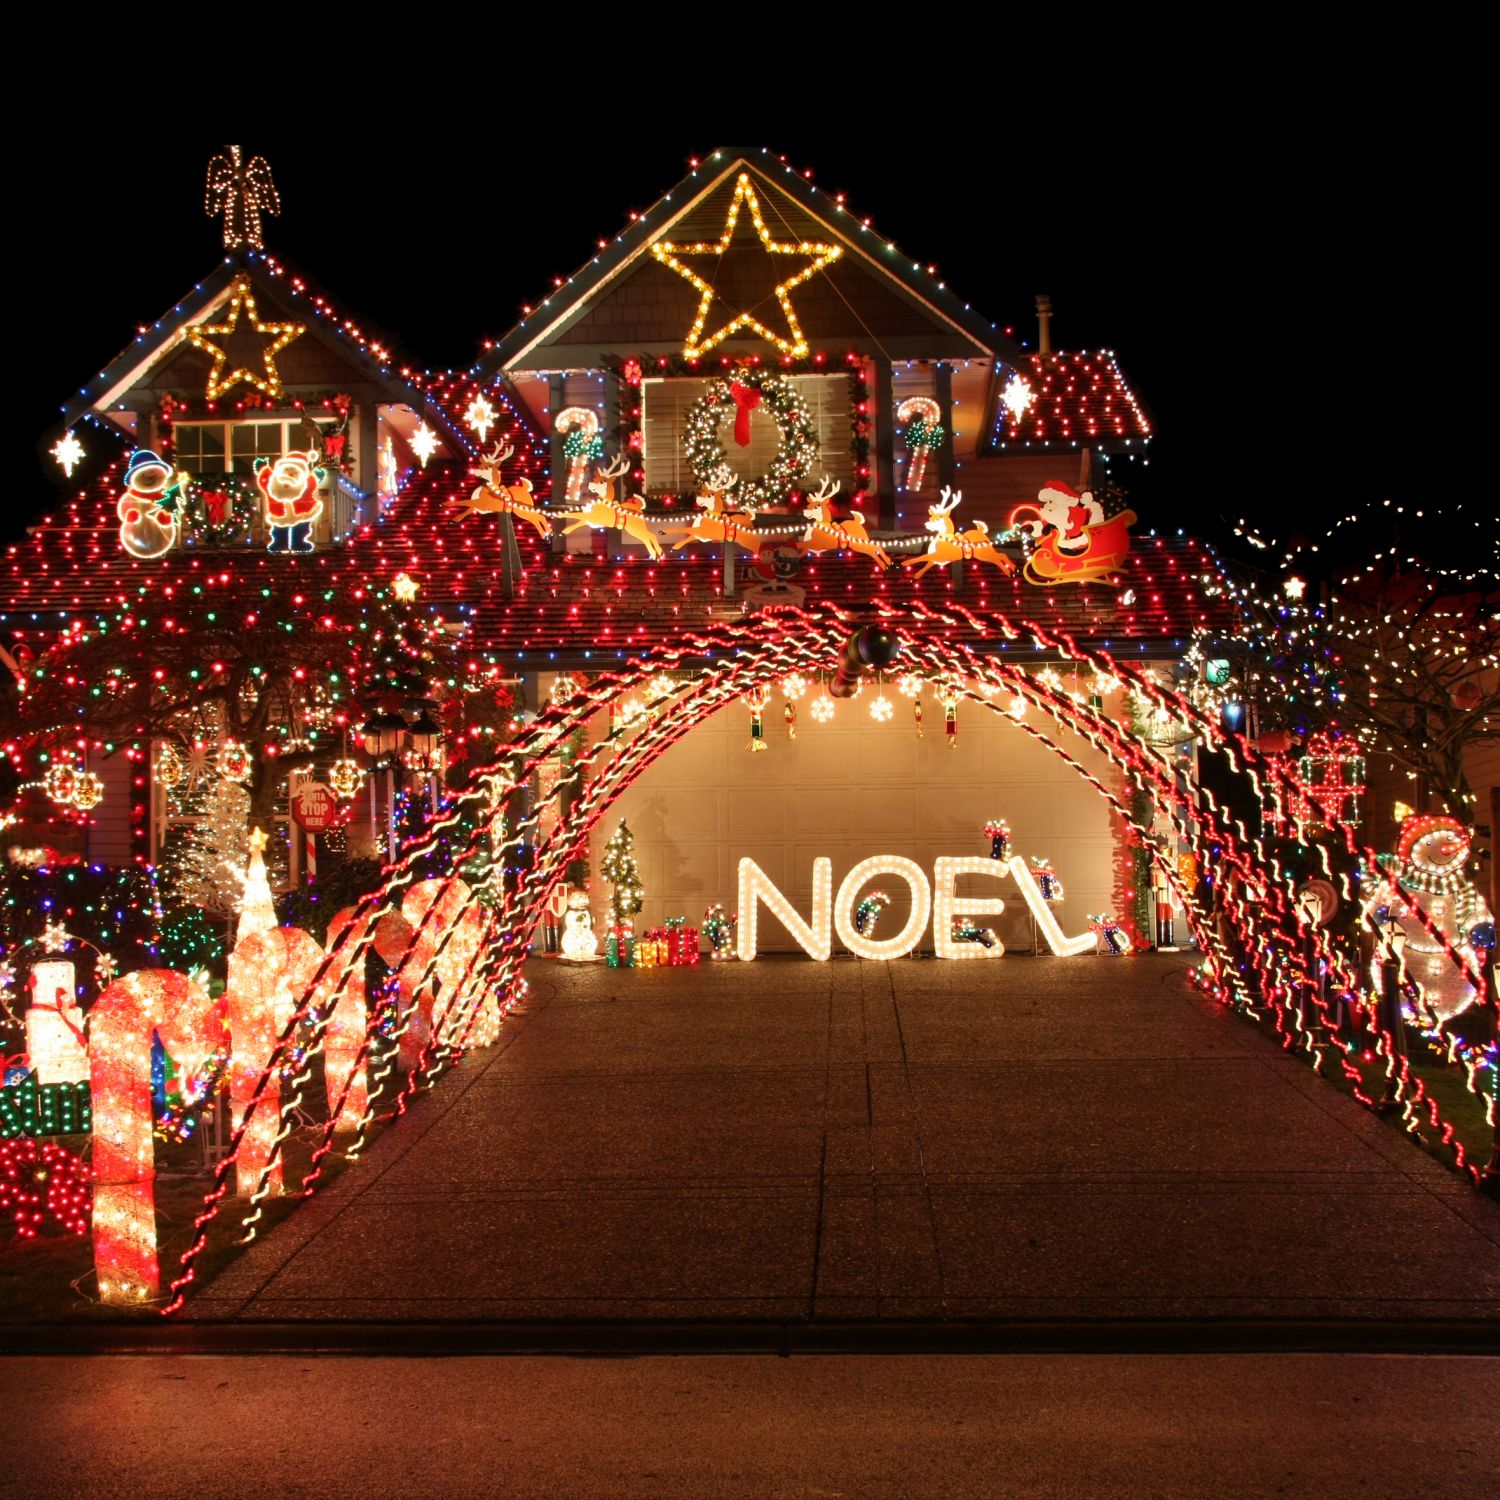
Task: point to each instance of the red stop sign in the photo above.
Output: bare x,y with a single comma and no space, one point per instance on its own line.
314,808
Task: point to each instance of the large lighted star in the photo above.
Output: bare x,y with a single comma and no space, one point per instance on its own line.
242,300
816,255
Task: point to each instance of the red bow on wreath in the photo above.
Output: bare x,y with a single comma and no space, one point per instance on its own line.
746,399
216,504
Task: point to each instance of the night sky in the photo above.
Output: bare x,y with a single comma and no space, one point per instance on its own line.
1294,316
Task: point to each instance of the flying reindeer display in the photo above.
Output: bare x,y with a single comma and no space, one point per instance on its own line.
494,495
950,546
721,522
824,534
625,514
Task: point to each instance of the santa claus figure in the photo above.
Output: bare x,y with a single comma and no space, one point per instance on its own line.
290,487
147,509
1061,509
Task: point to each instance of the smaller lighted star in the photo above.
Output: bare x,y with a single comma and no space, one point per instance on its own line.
405,587
480,416
258,840
823,708
1294,588
1017,397
242,300
424,443
68,452
55,937
105,968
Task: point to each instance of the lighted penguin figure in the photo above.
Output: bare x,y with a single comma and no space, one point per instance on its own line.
147,509
290,487
1074,542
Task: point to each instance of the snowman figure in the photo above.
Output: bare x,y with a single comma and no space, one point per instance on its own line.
1061,509
147,509
578,941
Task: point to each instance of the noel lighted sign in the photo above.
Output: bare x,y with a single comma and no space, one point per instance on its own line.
937,899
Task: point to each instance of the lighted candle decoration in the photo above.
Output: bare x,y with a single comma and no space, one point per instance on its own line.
756,700
147,1003
867,913
582,446
997,831
924,434
1113,939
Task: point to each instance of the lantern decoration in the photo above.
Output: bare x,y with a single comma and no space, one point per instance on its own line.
997,831
582,446
756,700
924,433
719,930
170,768
40,1181
1113,939
234,761
345,778
1330,772
61,781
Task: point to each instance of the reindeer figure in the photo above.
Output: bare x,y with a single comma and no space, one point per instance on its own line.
719,522
824,534
610,511
950,546
493,494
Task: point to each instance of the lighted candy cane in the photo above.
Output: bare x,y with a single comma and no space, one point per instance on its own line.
150,1002
582,445
924,432
267,971
409,953
343,1069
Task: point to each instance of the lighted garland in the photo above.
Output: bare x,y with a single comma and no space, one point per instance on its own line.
220,513
795,455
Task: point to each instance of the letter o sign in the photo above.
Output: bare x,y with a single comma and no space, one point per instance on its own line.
916,924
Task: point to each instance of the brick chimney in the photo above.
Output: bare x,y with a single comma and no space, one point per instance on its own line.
1044,323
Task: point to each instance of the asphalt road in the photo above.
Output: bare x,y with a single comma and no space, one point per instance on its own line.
1330,1426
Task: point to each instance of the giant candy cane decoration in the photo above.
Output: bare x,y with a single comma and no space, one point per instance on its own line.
150,1002
267,972
924,432
581,447
344,984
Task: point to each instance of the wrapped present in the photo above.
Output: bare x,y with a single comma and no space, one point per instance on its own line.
619,946
682,942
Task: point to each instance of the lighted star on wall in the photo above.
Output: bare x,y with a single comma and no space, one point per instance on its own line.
424,442
818,255
242,300
1017,397
480,416
68,451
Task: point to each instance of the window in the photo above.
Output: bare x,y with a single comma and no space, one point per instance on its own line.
233,447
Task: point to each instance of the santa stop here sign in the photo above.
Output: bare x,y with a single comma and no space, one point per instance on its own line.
313,807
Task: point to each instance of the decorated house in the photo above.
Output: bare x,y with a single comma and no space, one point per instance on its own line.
752,593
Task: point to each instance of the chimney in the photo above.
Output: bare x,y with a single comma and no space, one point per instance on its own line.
1044,321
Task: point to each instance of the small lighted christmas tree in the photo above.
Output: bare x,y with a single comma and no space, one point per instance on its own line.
257,908
618,868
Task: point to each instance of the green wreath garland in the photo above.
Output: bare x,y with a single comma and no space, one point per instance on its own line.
796,454
221,512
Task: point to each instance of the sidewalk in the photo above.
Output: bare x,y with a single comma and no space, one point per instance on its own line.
828,1145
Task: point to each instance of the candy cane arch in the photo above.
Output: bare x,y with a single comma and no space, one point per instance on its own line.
924,432
581,446
148,1003
342,992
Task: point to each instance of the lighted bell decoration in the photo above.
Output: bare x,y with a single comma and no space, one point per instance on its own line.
88,791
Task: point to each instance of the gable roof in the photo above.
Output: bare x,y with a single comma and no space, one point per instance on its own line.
871,299
162,340
1076,400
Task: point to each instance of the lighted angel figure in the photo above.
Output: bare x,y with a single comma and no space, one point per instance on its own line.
242,191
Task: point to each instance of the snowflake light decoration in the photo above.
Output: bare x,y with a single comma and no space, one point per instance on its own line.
55,937
68,452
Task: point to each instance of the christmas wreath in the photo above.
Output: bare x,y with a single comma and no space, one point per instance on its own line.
221,510
737,395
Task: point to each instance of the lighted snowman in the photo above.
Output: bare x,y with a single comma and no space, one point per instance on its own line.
578,941
1429,861
148,518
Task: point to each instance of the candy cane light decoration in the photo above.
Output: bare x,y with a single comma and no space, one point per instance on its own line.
581,446
148,1003
344,984
924,432
267,971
